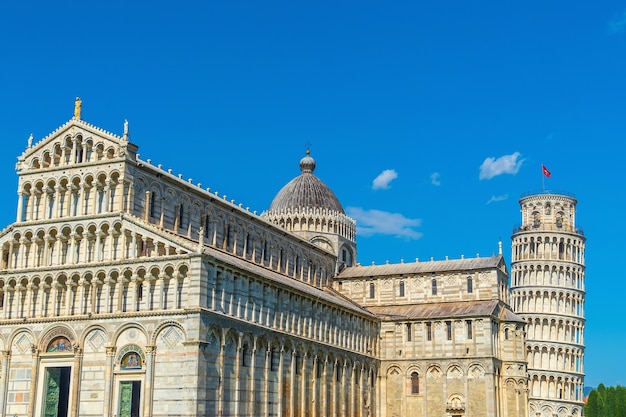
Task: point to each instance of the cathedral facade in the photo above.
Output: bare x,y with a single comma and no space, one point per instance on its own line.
126,290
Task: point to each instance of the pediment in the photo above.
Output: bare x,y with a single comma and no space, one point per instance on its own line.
74,142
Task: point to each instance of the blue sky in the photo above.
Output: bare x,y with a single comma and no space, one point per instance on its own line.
428,121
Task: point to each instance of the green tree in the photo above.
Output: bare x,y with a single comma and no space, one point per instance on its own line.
592,408
606,402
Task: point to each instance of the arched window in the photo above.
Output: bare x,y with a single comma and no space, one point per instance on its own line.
246,356
154,199
415,383
372,290
434,286
506,334
274,359
470,285
181,216
401,289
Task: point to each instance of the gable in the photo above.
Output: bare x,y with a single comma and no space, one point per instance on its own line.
72,143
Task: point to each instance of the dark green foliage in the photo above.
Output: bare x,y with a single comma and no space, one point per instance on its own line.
606,402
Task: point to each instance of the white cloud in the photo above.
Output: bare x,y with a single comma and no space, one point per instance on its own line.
434,178
506,164
377,222
618,23
383,179
496,198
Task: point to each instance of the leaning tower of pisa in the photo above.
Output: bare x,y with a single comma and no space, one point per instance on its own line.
548,292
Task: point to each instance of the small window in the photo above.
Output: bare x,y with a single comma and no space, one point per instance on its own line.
506,334
401,289
298,364
434,286
415,383
245,356
429,331
408,332
470,285
274,359
372,290
470,333
449,330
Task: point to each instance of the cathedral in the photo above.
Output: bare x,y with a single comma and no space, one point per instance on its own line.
127,291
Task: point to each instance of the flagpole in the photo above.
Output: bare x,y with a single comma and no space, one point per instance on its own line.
543,180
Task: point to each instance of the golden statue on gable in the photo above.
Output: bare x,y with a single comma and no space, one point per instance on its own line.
78,104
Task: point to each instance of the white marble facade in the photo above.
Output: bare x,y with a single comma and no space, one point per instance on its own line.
126,290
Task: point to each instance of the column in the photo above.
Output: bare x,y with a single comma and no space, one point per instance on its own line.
132,289
61,192
82,303
21,252
74,150
150,353
95,207
245,245
72,255
324,389
292,383
160,289
266,377
109,243
252,396
28,300
55,195
314,399
177,209
33,380
10,258
44,299
76,377
220,389
69,289
128,205
106,203
20,206
108,381
162,217
4,369
133,249
236,370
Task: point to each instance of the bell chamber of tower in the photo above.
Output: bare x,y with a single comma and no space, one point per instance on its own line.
548,292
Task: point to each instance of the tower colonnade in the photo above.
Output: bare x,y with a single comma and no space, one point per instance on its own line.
548,292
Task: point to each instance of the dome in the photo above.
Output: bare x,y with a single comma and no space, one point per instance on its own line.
305,191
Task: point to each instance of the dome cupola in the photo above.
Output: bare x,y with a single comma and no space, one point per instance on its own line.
308,208
306,191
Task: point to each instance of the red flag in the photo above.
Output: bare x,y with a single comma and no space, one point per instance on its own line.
545,171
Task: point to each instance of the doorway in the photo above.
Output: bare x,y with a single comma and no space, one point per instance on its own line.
57,394
130,395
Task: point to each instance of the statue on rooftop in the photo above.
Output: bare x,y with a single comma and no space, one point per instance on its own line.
78,104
